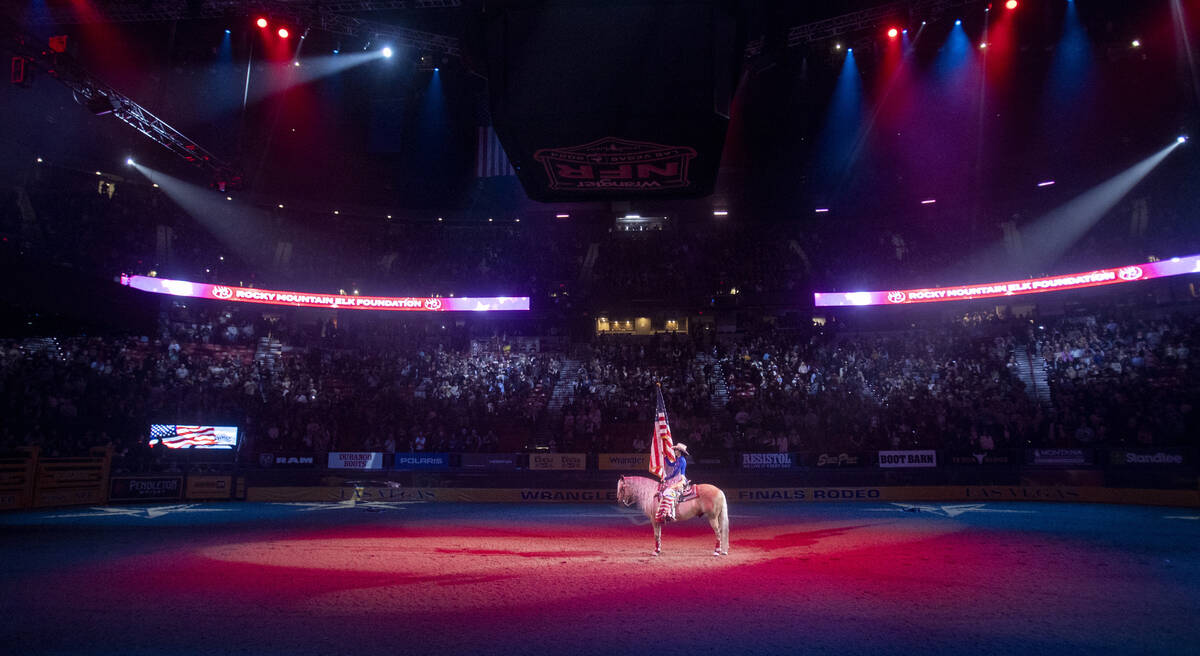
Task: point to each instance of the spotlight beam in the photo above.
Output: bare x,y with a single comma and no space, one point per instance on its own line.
1054,233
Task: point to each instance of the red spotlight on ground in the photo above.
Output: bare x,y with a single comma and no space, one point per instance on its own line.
893,33
283,33
1011,4
262,22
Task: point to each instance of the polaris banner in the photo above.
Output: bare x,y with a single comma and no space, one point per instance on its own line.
490,461
767,460
1146,457
1059,457
146,488
355,460
421,461
895,459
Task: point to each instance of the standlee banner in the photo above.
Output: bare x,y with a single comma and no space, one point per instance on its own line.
490,461
896,459
287,460
355,460
638,462
767,460
322,300
558,461
839,460
1147,457
419,460
140,488
981,458
1175,266
1059,456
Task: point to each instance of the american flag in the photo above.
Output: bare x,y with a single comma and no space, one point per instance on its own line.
490,158
178,437
661,443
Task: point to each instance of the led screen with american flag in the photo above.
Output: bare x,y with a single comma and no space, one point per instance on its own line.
201,437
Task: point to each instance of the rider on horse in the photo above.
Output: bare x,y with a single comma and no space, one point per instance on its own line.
673,482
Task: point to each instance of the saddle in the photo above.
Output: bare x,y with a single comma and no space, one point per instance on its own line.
686,493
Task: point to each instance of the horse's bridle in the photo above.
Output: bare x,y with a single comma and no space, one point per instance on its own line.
628,500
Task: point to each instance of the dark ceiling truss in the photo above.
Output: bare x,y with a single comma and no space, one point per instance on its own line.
871,19
305,14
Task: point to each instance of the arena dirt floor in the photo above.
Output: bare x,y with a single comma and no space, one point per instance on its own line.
449,579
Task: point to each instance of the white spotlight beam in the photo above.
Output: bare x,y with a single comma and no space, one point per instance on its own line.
1054,233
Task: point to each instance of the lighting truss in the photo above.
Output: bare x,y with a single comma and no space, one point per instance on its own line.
325,16
869,19
101,98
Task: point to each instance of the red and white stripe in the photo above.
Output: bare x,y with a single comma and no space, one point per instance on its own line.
660,446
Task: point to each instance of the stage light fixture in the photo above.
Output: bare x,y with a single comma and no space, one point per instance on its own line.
562,216
837,46
283,33
387,52
929,201
958,22
227,31
1136,43
1011,4
1181,139
129,161
983,45
720,212
262,22
1046,183
821,210
893,33
39,160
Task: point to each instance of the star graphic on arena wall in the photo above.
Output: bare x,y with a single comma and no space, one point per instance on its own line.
946,510
150,512
349,503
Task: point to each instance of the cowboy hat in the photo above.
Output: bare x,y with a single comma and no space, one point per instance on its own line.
681,447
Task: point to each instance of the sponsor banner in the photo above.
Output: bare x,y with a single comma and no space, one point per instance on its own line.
980,458
896,459
421,461
355,460
322,300
1116,275
767,460
839,460
617,165
68,496
973,494
1146,457
209,487
1059,456
145,488
287,460
638,462
558,461
490,461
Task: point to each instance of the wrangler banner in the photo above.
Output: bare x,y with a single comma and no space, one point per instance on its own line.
630,462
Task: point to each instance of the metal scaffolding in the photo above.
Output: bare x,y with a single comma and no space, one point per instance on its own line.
326,16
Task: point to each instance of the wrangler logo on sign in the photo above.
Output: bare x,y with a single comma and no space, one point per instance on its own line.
616,164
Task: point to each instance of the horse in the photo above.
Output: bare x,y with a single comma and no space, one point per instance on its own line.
708,502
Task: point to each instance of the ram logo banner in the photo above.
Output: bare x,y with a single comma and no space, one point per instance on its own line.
1175,266
614,164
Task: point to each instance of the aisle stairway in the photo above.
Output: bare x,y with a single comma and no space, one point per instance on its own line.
1031,369
269,353
562,394
716,381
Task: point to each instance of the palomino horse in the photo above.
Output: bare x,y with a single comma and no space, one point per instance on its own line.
709,502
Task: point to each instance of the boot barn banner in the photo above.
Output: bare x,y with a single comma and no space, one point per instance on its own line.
1176,266
322,300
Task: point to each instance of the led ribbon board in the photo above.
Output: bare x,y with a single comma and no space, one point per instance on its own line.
320,300
1176,266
